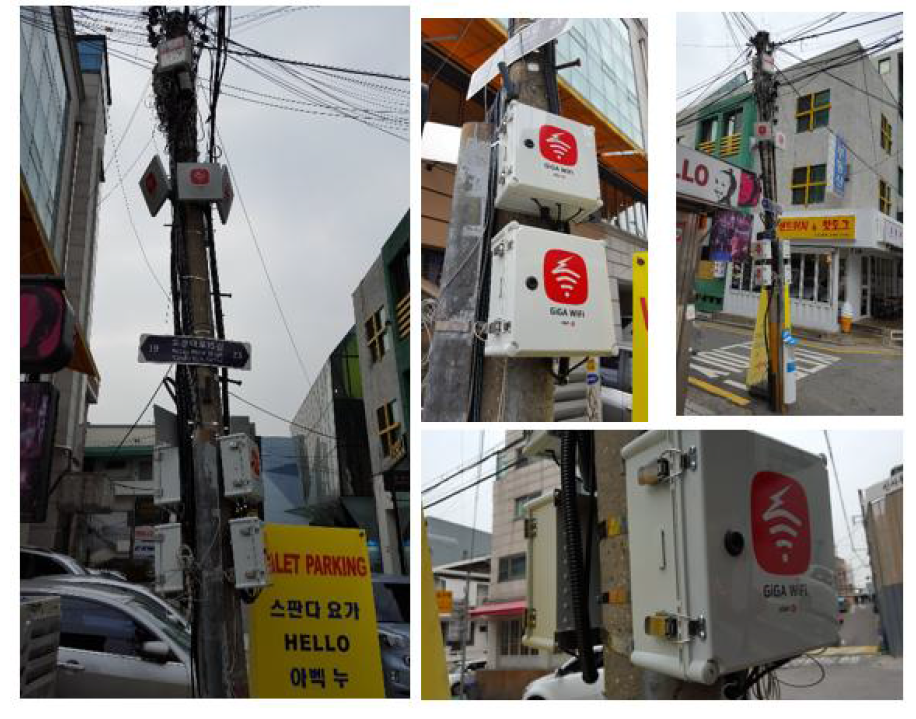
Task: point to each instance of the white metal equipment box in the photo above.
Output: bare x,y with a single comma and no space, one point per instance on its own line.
168,565
731,552
199,181
544,161
166,476
550,295
248,556
241,461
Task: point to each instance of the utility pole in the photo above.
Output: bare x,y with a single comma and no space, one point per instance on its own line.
522,389
765,95
219,655
622,679
466,614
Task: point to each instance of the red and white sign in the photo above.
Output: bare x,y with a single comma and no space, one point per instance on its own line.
558,145
199,182
174,54
780,524
565,277
154,184
199,176
763,131
224,206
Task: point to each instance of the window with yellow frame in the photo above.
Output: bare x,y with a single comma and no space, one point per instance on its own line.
809,184
389,428
884,196
886,135
376,334
812,111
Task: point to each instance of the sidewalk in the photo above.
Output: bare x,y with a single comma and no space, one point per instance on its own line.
846,676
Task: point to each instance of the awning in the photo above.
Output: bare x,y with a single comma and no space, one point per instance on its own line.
469,42
502,609
36,258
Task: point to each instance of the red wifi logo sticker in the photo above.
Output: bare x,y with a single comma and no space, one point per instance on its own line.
565,277
558,145
780,524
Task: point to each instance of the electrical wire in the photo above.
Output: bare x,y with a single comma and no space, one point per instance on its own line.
273,290
464,468
473,484
835,30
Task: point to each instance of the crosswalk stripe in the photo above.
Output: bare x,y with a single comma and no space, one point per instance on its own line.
711,373
715,358
739,385
821,357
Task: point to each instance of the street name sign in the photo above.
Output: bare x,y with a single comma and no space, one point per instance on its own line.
205,351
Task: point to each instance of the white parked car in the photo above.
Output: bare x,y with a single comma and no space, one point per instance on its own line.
566,682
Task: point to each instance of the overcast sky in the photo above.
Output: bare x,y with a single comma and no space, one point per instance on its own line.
323,193
705,47
862,458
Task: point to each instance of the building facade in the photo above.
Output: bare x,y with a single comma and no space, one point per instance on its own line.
511,664
381,306
839,180
882,511
471,577
64,93
122,538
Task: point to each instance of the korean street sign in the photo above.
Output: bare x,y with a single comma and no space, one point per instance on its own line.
205,351
529,39
835,227
444,601
837,160
155,185
314,633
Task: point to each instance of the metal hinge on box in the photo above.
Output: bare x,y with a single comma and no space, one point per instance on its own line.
671,464
676,628
531,618
497,326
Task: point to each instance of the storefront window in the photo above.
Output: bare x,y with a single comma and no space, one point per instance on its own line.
823,279
510,639
809,268
841,292
796,275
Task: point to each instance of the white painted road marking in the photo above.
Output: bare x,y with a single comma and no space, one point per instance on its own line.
720,362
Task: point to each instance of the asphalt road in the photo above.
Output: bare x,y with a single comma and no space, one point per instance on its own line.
858,677
832,380
860,627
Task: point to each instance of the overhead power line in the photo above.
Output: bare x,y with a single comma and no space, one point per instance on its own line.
473,484
475,463
270,282
251,52
837,29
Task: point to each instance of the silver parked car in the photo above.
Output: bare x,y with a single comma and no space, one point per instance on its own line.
113,646
155,604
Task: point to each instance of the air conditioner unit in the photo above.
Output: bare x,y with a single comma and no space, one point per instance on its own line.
550,295
731,552
547,161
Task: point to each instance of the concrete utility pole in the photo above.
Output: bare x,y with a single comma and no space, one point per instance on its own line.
765,95
623,680
451,352
219,650
522,390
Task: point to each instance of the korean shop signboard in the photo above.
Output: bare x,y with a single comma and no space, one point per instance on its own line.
313,631
836,227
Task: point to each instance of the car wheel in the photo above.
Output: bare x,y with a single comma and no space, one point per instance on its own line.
535,697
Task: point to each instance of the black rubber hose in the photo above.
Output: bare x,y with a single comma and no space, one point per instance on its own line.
573,535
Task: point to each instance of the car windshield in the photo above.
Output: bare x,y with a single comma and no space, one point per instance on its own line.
166,623
392,602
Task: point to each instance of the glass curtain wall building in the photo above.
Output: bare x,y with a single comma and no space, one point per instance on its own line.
43,102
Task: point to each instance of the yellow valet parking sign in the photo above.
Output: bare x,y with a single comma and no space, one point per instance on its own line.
313,631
